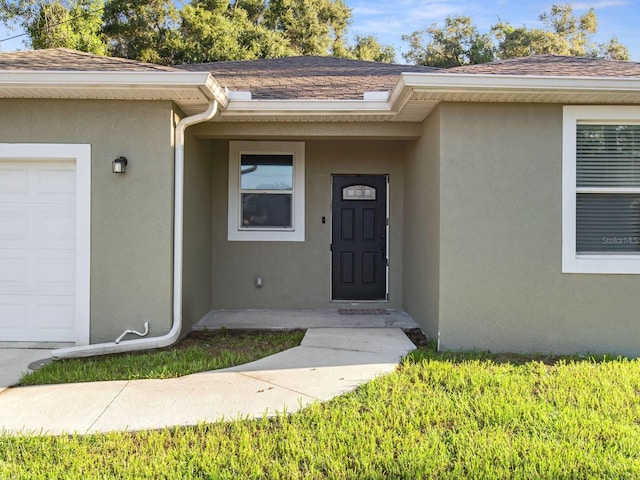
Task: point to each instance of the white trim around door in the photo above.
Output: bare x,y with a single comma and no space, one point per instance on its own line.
80,154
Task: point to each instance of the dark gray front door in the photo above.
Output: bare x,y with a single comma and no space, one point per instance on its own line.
359,237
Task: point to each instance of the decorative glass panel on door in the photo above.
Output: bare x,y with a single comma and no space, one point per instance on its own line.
358,192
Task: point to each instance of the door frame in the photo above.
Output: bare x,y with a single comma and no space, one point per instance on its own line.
387,234
80,154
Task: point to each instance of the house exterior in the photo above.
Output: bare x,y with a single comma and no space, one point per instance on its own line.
498,204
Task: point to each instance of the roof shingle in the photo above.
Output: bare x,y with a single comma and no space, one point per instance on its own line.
553,65
65,59
306,77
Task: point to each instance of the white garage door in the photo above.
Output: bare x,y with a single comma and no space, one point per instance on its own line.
37,250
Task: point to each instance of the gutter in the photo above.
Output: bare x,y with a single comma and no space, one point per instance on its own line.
176,328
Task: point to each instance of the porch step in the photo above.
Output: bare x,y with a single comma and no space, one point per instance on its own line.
283,319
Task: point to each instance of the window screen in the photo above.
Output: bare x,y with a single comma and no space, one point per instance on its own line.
608,189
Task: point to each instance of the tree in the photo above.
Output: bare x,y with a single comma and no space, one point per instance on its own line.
213,30
458,43
369,48
54,24
224,32
613,50
143,30
312,27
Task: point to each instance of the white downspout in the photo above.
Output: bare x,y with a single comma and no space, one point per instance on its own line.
173,335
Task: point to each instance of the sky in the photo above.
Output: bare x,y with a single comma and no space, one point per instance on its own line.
388,20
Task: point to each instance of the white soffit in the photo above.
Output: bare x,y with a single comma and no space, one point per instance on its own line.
515,88
191,91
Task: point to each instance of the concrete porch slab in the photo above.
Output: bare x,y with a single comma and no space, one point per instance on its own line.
377,340
288,319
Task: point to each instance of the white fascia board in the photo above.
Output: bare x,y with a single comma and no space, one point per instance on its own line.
454,82
201,82
308,107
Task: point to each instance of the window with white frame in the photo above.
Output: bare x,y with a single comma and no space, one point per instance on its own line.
601,190
266,191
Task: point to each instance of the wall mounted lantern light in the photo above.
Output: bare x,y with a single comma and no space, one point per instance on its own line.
119,165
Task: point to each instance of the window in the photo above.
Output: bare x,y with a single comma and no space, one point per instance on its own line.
266,191
601,190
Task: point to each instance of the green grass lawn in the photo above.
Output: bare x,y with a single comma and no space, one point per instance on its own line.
198,352
438,416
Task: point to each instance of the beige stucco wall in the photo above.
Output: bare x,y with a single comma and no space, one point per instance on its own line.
196,285
297,274
501,286
421,249
131,214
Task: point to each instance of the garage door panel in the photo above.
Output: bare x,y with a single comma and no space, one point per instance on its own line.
37,250
14,225
14,179
54,318
37,318
55,275
59,181
37,226
56,226
14,274
14,320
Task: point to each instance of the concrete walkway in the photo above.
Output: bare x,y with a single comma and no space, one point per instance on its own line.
329,362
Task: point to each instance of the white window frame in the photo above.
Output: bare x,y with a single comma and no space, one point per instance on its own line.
572,262
81,154
235,230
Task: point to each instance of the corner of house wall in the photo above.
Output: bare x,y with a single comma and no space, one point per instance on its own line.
421,252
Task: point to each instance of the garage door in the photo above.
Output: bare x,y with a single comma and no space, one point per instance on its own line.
38,250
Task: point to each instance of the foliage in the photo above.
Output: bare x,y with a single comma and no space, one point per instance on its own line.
142,29
58,23
368,47
312,27
458,42
438,416
214,32
196,353
200,31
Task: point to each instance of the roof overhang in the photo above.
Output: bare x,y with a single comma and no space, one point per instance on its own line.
191,91
413,97
416,95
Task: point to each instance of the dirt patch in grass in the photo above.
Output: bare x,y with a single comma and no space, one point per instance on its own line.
417,337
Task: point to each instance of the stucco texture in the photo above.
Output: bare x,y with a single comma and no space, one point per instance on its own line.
131,214
501,283
196,285
421,249
297,274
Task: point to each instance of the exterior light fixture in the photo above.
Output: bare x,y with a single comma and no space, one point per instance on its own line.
119,165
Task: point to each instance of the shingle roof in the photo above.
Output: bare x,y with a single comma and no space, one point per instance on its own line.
306,77
64,59
553,65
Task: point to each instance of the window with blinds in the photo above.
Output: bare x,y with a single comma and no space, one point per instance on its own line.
607,189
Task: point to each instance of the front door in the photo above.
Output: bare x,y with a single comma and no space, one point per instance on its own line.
359,237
